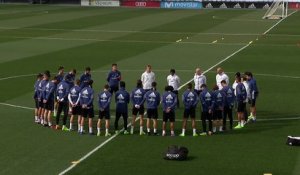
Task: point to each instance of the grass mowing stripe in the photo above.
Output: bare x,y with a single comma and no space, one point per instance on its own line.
267,31
94,150
121,41
72,166
239,49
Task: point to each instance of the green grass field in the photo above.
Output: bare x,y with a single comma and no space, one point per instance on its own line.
35,38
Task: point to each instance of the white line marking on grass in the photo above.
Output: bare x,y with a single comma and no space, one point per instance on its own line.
267,31
114,136
16,106
120,41
239,50
93,151
17,76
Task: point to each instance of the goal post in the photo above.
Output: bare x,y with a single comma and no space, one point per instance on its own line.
277,10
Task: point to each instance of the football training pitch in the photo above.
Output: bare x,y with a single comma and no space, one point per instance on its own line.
34,38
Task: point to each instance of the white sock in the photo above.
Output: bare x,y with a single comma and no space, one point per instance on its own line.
78,127
251,114
154,130
242,123
148,129
106,130
163,132
81,128
221,128
98,129
132,128
194,131
36,118
183,131
71,126
90,130
214,129
141,129
49,123
172,132
42,121
239,123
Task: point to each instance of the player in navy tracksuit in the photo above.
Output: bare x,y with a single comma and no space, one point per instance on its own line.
70,78
62,93
85,78
241,97
254,94
218,108
169,103
86,102
60,75
114,78
229,103
104,99
36,97
190,100
48,100
122,99
152,98
40,92
207,109
74,100
137,99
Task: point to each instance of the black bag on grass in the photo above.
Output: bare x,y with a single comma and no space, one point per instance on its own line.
176,153
293,141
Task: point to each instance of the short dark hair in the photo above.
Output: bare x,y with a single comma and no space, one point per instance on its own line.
77,81
47,73
238,74
74,71
172,71
249,74
122,84
60,67
238,79
154,84
223,82
90,82
203,86
189,85
169,88
87,69
106,86
55,78
139,84
215,87
114,64
39,75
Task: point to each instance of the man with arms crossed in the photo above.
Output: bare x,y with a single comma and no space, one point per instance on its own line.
221,76
113,78
148,77
199,80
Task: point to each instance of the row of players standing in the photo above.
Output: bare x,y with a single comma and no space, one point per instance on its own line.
215,105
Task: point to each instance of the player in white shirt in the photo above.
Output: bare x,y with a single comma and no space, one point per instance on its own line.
235,83
221,76
245,83
147,78
174,81
199,79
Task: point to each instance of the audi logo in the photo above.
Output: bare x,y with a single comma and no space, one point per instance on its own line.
140,4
